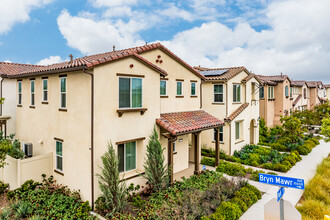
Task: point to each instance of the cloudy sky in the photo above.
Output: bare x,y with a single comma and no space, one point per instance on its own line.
266,36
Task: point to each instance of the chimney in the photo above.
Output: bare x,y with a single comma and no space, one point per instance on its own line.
71,58
114,48
146,43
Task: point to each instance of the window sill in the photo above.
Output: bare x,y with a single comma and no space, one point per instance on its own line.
234,103
19,106
164,96
59,172
130,175
271,99
175,153
31,106
44,102
220,142
218,103
122,111
238,141
291,98
193,96
179,96
62,109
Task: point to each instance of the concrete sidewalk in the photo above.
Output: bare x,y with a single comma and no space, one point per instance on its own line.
305,169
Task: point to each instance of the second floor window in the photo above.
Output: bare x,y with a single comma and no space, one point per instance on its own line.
163,88
290,92
305,93
19,92
237,93
287,91
193,88
45,90
261,92
130,92
179,91
63,92
32,92
218,93
270,92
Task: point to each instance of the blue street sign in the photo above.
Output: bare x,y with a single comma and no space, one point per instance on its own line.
204,167
281,181
280,193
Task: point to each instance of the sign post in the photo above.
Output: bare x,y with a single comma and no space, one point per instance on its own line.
281,181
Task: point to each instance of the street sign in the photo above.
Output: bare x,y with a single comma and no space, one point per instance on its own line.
280,193
204,167
281,181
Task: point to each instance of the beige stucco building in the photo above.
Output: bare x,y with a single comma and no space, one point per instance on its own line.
275,101
327,91
73,109
300,94
232,95
316,93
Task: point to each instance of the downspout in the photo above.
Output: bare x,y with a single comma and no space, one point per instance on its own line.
1,95
227,101
201,94
229,123
92,136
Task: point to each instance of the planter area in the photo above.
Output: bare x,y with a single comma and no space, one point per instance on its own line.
207,195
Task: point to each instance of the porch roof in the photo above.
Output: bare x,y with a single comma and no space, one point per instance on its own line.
179,123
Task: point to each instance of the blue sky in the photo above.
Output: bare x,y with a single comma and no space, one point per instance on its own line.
268,37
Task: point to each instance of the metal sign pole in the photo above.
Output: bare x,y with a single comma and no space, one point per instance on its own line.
282,209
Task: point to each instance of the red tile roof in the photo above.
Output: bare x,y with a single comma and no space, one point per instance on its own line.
250,76
94,60
237,112
327,86
298,83
323,99
232,71
179,123
297,100
273,80
15,68
313,84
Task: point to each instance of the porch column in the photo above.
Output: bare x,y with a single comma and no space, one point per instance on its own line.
170,156
197,151
217,149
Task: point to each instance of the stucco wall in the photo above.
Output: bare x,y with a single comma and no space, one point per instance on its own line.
9,105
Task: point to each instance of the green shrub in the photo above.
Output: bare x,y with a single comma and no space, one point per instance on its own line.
279,147
241,204
227,210
315,141
231,169
304,150
3,187
246,195
297,155
310,143
27,186
255,190
208,161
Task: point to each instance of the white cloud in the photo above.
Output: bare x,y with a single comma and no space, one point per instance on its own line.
175,12
112,3
7,61
17,11
50,60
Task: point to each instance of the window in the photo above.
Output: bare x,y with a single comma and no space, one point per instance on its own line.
63,92
220,134
290,92
20,92
261,92
127,156
305,93
59,156
179,88
45,90
237,130
32,92
237,93
130,92
270,92
287,91
174,147
218,93
193,88
163,88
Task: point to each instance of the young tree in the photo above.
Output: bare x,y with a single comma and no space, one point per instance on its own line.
263,130
325,129
292,128
113,191
156,171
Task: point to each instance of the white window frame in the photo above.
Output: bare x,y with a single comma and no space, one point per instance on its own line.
130,92
32,93
165,87
220,132
177,88
66,89
56,156
43,90
239,130
19,98
240,93
174,147
270,92
218,93
136,157
191,86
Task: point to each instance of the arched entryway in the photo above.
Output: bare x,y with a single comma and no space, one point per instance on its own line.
252,131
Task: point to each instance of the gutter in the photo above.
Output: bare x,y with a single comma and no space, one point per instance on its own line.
1,95
92,136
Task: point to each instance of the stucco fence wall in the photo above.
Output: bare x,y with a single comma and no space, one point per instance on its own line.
17,171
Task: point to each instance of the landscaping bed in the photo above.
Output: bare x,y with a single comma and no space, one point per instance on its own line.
207,195
315,202
34,200
258,156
